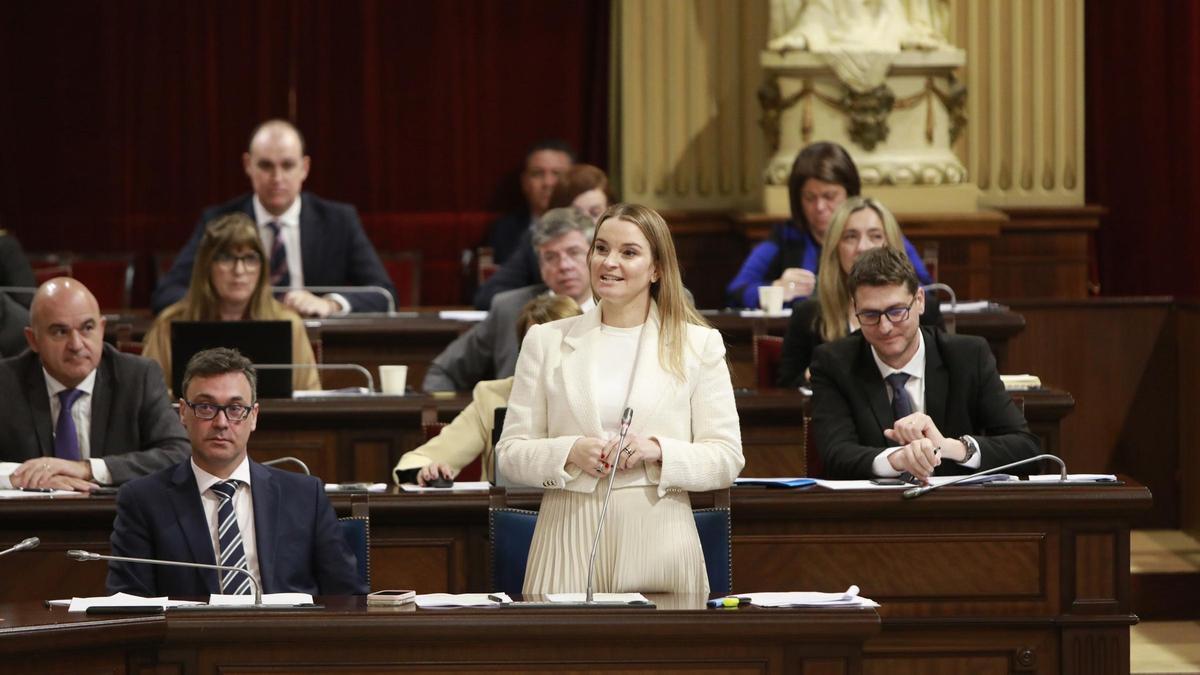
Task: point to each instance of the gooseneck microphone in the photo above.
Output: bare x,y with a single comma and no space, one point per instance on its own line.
913,493
626,418
31,542
86,556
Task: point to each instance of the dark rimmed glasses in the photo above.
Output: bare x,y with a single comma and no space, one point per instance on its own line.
250,261
234,412
871,317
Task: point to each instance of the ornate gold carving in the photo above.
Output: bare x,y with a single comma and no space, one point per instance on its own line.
866,113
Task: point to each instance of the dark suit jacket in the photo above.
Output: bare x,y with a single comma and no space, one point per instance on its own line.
14,309
300,544
486,352
334,249
521,270
963,395
134,428
804,335
505,234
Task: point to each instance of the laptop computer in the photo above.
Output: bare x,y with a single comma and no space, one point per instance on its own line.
259,341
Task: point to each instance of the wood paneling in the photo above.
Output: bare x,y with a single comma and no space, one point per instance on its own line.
1119,358
1189,401
982,577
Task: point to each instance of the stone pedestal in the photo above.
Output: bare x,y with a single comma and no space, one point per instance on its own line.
899,132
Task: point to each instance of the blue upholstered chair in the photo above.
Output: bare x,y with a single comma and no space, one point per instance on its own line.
510,532
356,528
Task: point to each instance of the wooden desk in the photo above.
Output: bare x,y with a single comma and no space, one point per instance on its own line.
415,338
978,579
349,637
362,438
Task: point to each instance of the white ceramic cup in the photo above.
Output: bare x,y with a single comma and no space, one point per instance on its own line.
392,379
770,299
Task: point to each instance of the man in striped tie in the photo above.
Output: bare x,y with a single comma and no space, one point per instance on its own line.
221,508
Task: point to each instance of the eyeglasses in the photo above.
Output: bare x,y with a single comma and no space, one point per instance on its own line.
871,317
552,257
234,412
250,261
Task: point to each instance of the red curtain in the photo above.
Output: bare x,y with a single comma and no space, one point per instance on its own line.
1143,143
120,120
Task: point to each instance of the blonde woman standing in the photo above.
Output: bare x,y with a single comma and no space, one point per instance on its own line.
644,347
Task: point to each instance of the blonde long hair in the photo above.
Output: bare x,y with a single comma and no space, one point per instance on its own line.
227,234
832,293
675,311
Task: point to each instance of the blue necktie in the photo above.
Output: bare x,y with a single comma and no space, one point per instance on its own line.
230,537
902,405
279,265
66,436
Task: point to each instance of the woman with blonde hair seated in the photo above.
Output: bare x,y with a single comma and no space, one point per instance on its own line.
230,283
859,224
470,434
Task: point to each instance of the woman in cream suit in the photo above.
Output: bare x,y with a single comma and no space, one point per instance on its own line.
644,347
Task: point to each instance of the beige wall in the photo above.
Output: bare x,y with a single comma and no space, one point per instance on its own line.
685,118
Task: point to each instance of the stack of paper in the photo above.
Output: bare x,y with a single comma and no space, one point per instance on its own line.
1021,382
435,600
119,600
626,598
962,307
281,599
463,314
463,486
850,598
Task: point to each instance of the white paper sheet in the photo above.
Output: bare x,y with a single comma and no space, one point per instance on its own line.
849,598
435,600
463,314
598,597
465,486
282,599
119,600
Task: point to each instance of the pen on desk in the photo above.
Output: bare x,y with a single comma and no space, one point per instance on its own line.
495,598
35,489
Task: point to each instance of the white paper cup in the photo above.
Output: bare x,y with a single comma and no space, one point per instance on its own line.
770,299
392,379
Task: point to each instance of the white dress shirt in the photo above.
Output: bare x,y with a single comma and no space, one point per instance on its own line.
289,229
915,386
243,508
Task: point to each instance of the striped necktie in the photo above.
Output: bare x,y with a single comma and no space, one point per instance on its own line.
230,536
279,264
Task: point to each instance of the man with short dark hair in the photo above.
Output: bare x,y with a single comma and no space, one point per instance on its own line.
488,351
77,413
311,241
899,398
546,163
220,507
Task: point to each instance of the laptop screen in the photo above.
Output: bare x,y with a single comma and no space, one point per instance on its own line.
259,341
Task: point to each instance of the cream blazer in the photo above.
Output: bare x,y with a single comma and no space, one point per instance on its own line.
467,437
694,419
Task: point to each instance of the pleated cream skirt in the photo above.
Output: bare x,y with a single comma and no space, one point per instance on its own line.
649,545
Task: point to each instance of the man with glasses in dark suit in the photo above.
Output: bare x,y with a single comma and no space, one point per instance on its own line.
898,398
219,507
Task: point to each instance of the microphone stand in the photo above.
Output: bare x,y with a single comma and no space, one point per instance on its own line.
27,544
1063,479
626,418
84,556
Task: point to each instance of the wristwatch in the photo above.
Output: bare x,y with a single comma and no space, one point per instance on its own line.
971,446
